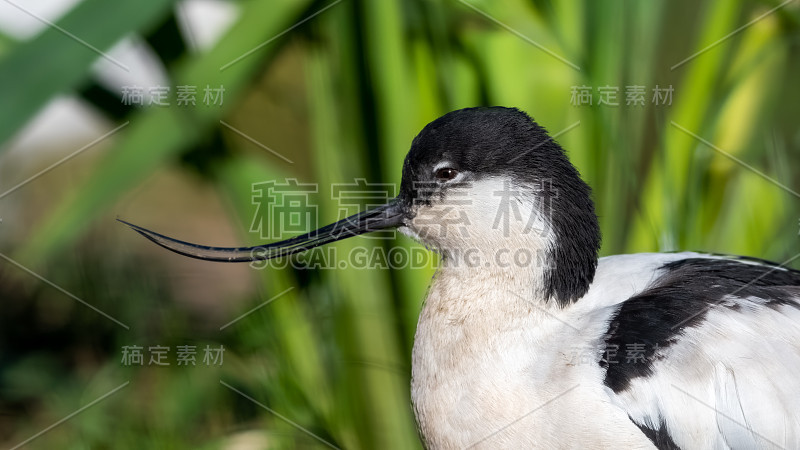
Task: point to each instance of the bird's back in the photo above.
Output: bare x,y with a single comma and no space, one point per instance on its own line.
706,355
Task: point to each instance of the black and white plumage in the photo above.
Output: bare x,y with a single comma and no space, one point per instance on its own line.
661,350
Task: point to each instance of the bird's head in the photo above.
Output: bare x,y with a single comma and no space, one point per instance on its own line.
485,187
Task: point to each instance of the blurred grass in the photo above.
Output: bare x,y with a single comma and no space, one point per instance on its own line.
333,354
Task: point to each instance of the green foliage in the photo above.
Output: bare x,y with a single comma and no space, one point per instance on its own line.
333,354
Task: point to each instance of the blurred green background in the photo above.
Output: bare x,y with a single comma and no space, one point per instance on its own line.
338,88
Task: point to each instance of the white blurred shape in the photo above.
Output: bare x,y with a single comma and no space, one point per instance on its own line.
65,122
146,70
20,25
203,22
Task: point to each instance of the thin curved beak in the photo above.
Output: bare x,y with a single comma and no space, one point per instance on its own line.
390,215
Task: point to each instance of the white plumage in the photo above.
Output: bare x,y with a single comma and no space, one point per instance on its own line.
505,374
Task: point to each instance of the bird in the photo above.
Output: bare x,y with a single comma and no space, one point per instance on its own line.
527,339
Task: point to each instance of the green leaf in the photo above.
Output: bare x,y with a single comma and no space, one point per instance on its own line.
60,57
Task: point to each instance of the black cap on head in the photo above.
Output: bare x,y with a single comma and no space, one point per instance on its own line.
506,142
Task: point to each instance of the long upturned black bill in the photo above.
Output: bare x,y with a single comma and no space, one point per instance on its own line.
380,218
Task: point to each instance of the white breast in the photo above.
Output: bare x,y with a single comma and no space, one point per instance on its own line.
494,368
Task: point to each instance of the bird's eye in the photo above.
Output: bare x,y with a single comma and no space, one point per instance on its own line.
446,174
